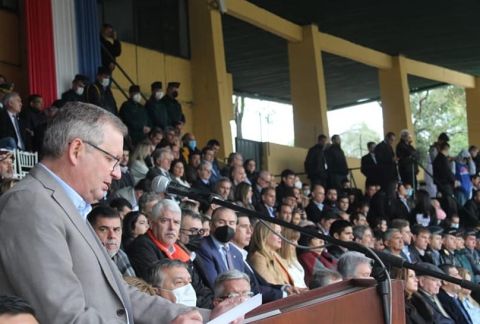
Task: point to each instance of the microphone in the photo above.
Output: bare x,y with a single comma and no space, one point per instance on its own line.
162,184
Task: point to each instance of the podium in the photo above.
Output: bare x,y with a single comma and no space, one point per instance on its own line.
352,301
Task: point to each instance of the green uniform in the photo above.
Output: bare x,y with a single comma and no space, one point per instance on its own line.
135,116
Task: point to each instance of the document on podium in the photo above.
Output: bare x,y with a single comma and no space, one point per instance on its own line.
238,311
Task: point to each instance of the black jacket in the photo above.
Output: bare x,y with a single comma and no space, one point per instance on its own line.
313,212
387,168
7,129
453,309
336,161
442,174
315,164
103,97
143,253
369,169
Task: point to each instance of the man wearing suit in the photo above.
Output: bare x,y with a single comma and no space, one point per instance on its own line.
429,288
162,158
315,207
50,255
10,123
387,165
266,206
448,296
368,165
215,253
315,163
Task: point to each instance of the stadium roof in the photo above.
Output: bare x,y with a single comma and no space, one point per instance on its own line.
439,32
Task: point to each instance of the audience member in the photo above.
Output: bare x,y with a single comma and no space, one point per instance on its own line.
354,265
172,281
134,225
138,166
314,258
16,310
100,94
418,249
157,112
232,284
77,91
363,234
316,205
336,163
191,231
315,163
394,242
122,206
428,292
159,242
407,159
11,126
267,203
448,296
111,46
386,164
469,304
324,277
162,161
173,107
289,254
340,230
368,166
135,116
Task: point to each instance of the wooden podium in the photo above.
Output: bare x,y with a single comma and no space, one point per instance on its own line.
354,301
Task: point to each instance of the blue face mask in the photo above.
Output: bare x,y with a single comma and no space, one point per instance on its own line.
410,192
192,144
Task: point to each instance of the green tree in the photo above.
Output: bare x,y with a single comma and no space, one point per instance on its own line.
354,141
439,110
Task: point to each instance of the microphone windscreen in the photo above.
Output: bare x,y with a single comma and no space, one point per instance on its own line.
159,184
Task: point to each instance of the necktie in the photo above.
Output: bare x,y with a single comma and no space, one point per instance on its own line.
16,125
229,258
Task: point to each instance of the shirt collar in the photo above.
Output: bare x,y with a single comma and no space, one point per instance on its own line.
218,244
80,204
242,251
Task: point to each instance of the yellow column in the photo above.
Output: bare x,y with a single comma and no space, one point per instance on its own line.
212,90
473,113
307,86
395,95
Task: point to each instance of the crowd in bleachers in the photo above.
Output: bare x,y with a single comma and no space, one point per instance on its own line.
181,248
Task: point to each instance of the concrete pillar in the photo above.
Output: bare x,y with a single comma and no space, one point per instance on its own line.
307,86
212,90
473,113
395,96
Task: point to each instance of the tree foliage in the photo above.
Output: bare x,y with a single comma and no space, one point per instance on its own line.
436,111
354,141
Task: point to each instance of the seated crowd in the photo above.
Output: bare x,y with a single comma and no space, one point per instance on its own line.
197,253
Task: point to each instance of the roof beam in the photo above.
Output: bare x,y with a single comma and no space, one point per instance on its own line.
264,19
437,73
355,52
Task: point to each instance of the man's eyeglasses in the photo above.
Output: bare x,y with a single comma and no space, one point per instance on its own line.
193,231
248,294
110,156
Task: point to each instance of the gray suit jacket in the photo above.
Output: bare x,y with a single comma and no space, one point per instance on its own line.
51,257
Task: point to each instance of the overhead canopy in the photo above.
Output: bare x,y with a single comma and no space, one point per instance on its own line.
439,32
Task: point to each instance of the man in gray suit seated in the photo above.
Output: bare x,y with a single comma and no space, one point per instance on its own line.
49,253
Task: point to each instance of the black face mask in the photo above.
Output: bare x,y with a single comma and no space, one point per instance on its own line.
194,242
174,94
224,233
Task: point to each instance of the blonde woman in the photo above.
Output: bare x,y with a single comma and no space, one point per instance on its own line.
138,166
289,254
266,261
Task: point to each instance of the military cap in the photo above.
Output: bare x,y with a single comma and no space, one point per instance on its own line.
134,89
173,84
156,85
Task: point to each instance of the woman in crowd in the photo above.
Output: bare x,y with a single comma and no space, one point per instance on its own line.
471,305
134,224
289,254
138,166
251,170
423,213
177,170
243,195
264,258
297,216
416,310
316,257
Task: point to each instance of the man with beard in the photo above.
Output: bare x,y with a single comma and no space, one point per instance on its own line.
107,224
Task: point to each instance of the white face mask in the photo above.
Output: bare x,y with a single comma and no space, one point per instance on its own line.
298,184
79,91
185,295
158,95
105,82
137,97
